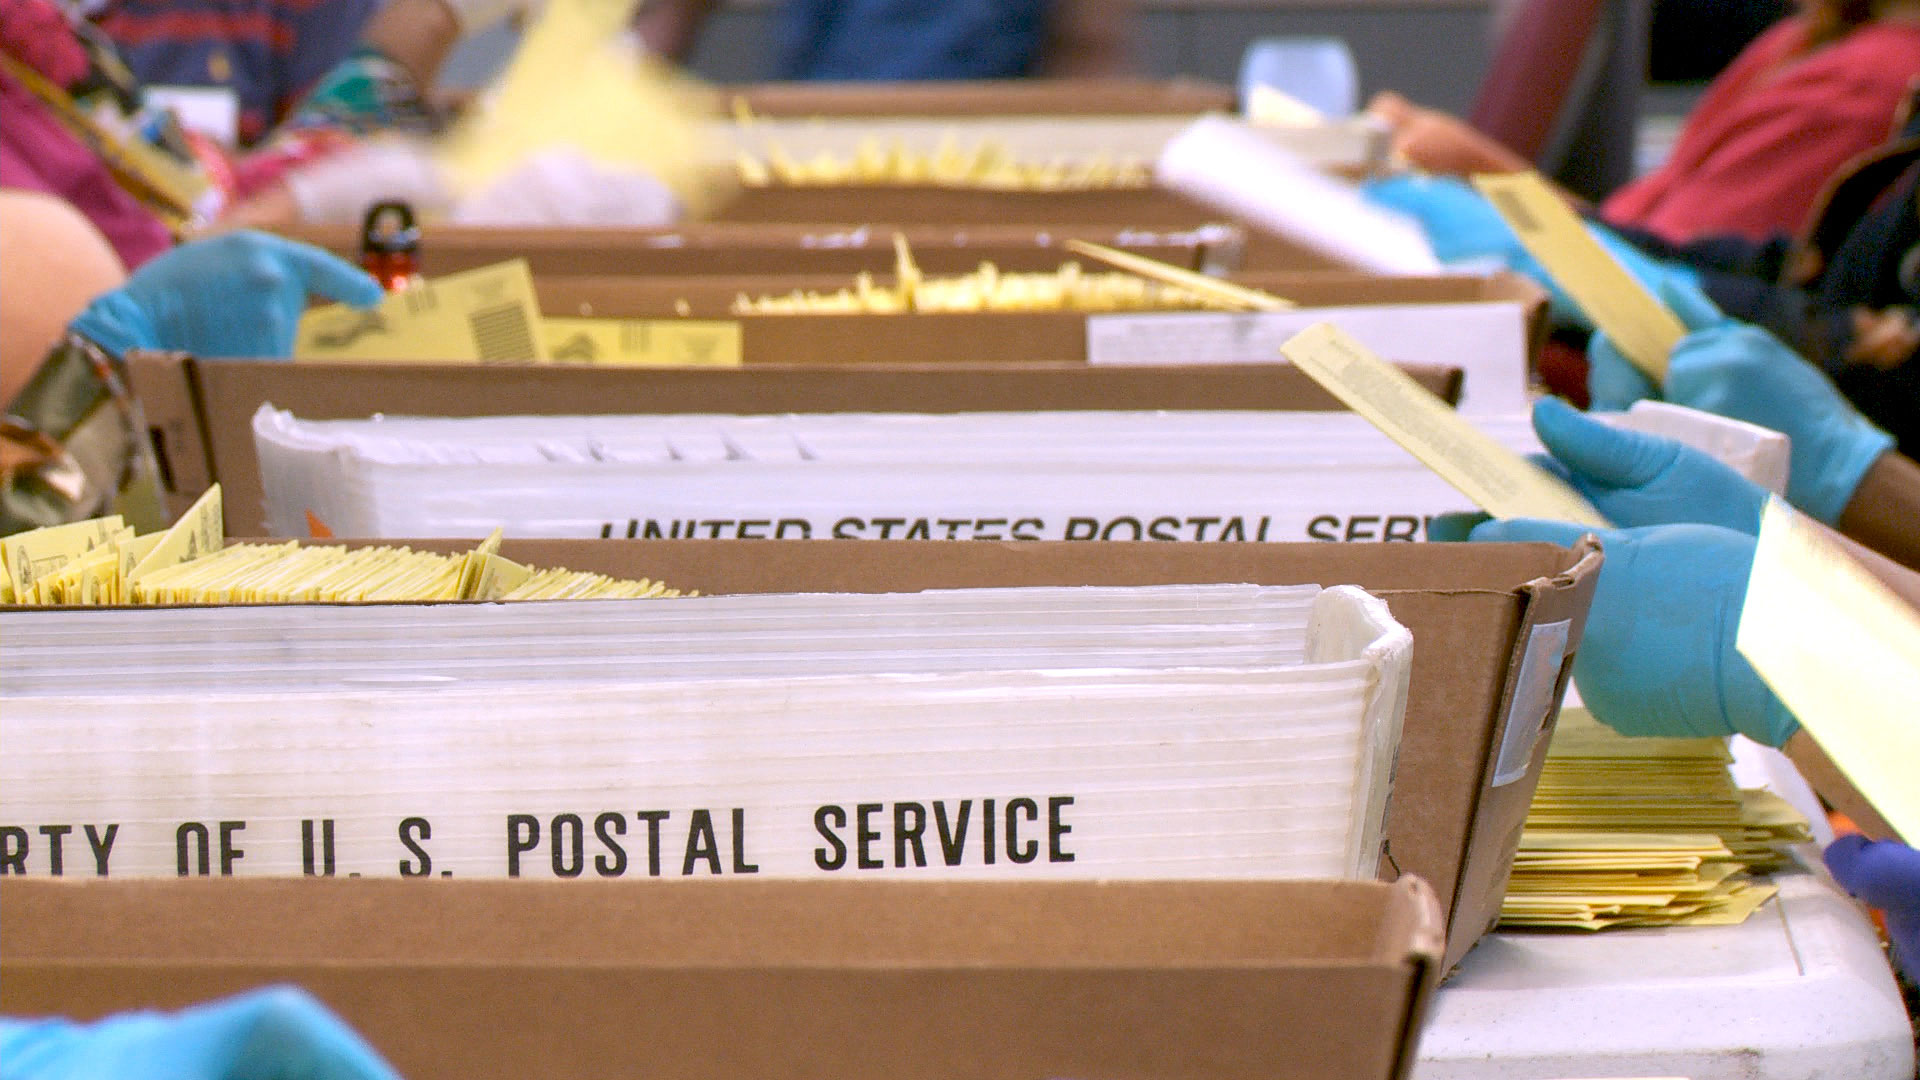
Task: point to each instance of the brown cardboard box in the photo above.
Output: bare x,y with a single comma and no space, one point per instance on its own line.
726,980
976,338
1494,626
766,248
1012,97
1474,610
201,414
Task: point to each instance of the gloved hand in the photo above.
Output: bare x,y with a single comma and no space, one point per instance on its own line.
1732,369
1638,479
1658,655
239,294
279,1033
1463,227
1886,875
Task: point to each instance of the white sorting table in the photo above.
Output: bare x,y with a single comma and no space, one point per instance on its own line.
1799,991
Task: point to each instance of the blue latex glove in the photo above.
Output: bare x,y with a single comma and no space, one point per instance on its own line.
1463,227
239,294
1732,369
1639,479
279,1033
1885,875
1658,657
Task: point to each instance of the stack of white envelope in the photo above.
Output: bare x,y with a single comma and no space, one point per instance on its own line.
1159,732
1254,476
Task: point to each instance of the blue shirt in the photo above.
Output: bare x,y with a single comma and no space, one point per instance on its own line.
270,52
903,40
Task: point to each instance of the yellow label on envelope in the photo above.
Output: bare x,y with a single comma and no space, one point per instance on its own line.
643,342
488,314
40,553
1843,652
200,531
1498,480
1638,324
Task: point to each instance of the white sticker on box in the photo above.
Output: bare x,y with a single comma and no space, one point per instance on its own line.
1532,697
1485,339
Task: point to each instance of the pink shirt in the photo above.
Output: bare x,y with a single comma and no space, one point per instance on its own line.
1771,131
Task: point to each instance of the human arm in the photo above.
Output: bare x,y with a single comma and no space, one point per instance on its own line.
1886,876
1439,142
1844,470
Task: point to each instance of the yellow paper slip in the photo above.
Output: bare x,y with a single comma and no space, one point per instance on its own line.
1500,481
200,531
1637,323
488,314
643,342
1843,653
43,553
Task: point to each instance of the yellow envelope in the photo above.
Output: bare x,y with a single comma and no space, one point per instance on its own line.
643,342
490,314
1498,480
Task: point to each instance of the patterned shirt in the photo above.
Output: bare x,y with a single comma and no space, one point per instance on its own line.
270,52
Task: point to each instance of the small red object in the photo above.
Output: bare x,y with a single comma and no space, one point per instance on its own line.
390,245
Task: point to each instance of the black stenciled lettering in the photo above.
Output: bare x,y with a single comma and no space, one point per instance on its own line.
799,525
321,861
1234,531
1082,528
653,531
1261,536
1321,528
200,859
1036,529
986,827
865,834
1057,829
102,845
905,834
1116,524
953,842
230,853
834,855
1201,525
605,828
849,528
1163,528
606,530
653,818
567,845
952,525
716,527
740,863
56,858
1022,853
523,835
412,831
1426,526
1401,527
1354,531
701,844
887,525
981,526
919,530
13,850
753,530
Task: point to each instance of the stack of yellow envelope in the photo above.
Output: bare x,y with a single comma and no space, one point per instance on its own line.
102,562
1643,832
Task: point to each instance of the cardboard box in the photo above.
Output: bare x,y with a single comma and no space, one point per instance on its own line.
1495,328
840,249
723,980
1490,623
201,414
1494,627
1009,97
